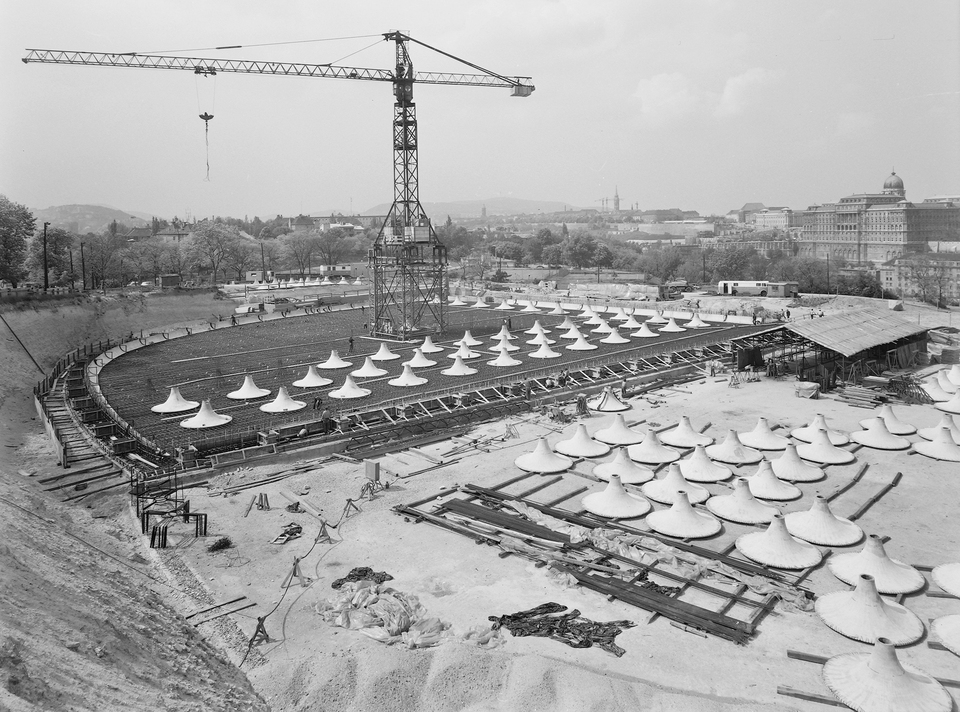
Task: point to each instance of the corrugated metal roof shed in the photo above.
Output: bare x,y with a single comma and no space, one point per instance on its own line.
855,331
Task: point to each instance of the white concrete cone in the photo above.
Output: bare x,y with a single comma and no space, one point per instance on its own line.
428,347
954,374
504,345
530,308
458,302
697,323
368,370
479,304
617,433
942,448
175,403
791,468
349,389
700,468
581,344
664,489
630,323
614,337
358,282
775,547
862,615
765,485
808,432
544,352
893,423
581,445
819,525
672,327
950,406
206,417
620,315
463,352
946,421
947,577
586,310
763,438
313,379
889,575
334,362
936,393
615,502
407,379
539,339
651,452
602,328
607,402
683,521
821,450
877,436
467,340
543,460
419,360
248,390
567,323
326,282
537,328
684,435
645,333
459,368
572,333
384,354
948,386
557,310
947,629
878,682
504,360
594,320
657,318
504,306
741,506
629,472
283,403
503,334
733,452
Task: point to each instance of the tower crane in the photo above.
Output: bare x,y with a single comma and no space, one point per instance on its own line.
408,262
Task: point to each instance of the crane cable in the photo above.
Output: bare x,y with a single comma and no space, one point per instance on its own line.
205,115
262,44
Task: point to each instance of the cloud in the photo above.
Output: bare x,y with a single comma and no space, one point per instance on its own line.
741,90
666,97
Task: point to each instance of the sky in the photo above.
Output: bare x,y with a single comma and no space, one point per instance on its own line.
701,105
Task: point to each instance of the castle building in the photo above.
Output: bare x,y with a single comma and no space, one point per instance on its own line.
877,227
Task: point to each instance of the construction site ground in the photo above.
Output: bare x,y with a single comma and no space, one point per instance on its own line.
117,632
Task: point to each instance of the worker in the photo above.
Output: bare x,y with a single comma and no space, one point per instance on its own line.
325,421
350,341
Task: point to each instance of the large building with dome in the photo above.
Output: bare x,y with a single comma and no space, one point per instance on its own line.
869,228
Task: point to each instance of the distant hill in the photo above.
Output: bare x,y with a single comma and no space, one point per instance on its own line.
82,219
473,208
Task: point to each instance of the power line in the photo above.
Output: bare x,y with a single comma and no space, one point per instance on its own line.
262,44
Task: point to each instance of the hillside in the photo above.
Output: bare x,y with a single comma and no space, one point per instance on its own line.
81,219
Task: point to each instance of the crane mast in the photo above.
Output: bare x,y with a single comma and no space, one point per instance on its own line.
408,262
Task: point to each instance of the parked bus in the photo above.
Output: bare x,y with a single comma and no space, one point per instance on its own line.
736,287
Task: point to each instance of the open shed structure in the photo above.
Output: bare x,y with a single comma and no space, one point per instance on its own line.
842,347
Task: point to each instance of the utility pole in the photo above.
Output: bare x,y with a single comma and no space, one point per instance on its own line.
263,264
83,270
46,271
828,271
73,279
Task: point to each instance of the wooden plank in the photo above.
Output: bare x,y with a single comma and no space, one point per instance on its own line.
216,605
788,691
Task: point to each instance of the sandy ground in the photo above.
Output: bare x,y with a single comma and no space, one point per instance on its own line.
311,665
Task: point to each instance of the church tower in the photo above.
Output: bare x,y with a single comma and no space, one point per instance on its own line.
616,200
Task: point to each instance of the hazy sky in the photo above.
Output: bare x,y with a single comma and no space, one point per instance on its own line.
702,105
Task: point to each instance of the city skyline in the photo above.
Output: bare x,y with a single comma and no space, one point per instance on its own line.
701,106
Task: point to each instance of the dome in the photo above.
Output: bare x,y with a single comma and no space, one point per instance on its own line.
893,183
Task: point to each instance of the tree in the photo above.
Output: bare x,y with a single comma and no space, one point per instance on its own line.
299,246
553,255
16,225
578,250
209,243
59,242
241,253
103,257
334,245
927,277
